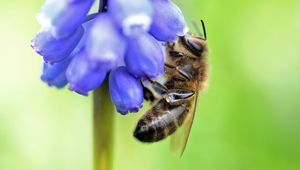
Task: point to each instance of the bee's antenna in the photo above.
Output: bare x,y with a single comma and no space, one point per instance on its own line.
204,30
198,30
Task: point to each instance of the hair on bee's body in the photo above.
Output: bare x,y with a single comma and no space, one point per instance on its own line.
186,72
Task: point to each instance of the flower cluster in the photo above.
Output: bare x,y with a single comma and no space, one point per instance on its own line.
123,40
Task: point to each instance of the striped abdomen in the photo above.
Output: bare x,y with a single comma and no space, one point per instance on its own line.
161,121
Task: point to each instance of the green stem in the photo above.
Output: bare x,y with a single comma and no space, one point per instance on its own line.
103,128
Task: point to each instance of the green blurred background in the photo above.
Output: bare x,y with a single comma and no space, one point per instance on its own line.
248,119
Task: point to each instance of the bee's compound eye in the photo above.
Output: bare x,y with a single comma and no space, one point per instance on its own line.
194,45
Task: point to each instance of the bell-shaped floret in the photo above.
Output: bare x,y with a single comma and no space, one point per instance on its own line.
168,21
105,43
53,49
144,56
131,13
125,90
55,74
63,17
84,75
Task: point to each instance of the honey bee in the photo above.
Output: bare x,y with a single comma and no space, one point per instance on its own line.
186,74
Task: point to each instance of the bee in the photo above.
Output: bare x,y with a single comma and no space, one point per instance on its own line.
186,74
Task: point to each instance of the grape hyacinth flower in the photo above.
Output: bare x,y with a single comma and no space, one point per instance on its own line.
123,41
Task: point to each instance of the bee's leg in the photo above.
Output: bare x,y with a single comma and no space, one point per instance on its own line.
184,72
172,96
148,95
178,96
158,87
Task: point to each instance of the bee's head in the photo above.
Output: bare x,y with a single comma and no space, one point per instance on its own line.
195,44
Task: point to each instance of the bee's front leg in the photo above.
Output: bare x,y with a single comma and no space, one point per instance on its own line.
178,96
172,96
158,87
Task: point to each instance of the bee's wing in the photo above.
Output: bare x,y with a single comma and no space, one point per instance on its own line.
180,138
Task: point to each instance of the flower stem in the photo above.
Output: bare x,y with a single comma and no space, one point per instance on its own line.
103,128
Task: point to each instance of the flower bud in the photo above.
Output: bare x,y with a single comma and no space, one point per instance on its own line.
105,44
131,13
125,90
84,75
55,74
52,49
168,21
144,56
86,27
63,17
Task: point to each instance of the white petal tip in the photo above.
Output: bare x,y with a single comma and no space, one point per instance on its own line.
140,20
43,20
184,32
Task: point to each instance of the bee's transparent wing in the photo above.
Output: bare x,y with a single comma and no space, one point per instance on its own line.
180,138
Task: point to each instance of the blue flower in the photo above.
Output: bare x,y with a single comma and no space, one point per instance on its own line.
144,56
125,41
53,49
84,75
105,43
54,74
168,21
63,17
131,13
126,91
